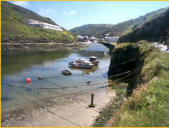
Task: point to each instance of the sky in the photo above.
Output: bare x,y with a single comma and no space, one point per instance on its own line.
70,14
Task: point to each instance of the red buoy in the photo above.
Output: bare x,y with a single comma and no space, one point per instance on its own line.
28,80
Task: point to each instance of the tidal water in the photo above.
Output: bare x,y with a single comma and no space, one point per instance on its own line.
17,94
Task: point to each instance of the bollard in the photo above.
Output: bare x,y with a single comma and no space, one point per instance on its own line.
92,100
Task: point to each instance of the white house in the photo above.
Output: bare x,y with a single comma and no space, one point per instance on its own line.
83,38
92,38
111,39
35,23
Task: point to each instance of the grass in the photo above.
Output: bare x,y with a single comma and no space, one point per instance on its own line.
21,31
148,104
146,31
14,27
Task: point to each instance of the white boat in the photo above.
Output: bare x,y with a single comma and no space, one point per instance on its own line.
94,60
80,60
81,63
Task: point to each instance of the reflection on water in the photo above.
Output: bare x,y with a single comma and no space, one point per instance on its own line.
17,94
85,53
15,63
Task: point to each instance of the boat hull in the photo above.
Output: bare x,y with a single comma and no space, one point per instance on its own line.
81,66
95,62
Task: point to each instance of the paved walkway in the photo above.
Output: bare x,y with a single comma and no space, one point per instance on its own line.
72,112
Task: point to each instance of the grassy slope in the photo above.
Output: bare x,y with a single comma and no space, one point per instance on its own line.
13,25
148,105
140,21
151,31
118,29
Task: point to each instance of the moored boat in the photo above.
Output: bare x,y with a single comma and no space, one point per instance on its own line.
94,60
81,63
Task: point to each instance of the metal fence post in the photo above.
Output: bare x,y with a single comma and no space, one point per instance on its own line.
92,100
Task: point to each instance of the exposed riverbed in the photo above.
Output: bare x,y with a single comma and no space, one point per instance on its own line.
19,97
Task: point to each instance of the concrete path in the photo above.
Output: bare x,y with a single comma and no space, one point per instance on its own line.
72,112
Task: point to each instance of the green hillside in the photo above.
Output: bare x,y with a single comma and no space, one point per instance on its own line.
118,29
153,30
14,27
92,29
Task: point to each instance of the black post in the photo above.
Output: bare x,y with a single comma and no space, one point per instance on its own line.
92,96
92,100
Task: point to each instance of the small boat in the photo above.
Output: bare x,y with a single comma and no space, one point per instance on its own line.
80,60
94,60
81,63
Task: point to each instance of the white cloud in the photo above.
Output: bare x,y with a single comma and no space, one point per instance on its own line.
21,3
72,12
69,13
48,11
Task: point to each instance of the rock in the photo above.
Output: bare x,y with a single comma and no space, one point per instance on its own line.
66,72
40,77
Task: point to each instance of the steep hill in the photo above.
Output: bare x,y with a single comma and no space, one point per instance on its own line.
154,30
15,29
120,28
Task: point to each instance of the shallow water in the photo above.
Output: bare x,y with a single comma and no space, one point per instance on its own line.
17,94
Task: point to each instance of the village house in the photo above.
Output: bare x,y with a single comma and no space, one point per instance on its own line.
92,38
82,38
35,23
111,39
